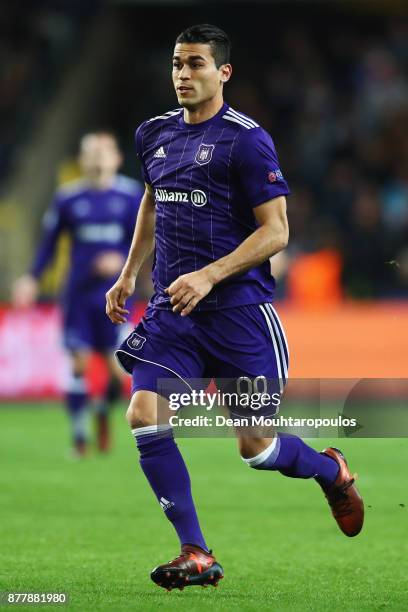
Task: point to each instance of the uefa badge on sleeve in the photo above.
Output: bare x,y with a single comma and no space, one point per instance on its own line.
275,175
204,154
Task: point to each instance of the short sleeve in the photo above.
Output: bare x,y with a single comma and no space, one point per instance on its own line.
257,168
139,150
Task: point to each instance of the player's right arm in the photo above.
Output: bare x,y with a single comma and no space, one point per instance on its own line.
141,247
26,288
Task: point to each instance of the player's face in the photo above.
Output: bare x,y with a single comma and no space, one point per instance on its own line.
99,156
196,78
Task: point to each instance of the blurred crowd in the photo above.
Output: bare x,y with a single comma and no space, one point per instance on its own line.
338,110
38,40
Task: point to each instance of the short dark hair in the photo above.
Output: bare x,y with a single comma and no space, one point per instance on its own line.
211,35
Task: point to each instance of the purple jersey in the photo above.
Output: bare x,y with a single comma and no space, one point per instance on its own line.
97,221
207,178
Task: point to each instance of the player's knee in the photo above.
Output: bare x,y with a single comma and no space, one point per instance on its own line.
140,412
136,417
78,372
79,361
251,447
246,449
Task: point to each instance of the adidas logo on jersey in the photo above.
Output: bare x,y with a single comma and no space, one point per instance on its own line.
160,154
166,504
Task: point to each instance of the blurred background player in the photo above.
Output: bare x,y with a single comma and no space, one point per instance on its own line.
98,212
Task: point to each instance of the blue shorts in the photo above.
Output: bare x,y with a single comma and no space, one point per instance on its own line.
244,341
86,326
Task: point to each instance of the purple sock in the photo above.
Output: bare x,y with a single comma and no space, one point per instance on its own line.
290,456
76,400
164,468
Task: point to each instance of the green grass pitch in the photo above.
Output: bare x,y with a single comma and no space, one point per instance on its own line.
93,529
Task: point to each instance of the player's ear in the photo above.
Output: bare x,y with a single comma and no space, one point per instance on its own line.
225,72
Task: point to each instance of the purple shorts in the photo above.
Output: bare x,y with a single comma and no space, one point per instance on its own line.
86,326
244,341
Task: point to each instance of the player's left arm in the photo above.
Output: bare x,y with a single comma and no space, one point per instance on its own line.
268,239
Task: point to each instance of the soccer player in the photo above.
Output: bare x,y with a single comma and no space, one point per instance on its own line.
99,213
214,209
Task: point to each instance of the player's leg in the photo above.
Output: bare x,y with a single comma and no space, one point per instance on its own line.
257,348
164,467
114,387
101,406
76,398
78,341
290,456
161,460
104,339
151,353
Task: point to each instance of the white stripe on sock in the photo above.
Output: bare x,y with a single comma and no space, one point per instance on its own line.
149,429
253,461
75,384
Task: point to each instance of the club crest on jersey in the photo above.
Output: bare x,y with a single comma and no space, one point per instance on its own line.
204,154
135,341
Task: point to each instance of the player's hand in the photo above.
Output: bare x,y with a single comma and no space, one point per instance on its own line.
116,299
24,291
187,290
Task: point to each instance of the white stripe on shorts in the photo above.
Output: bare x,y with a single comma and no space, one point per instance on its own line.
279,338
275,346
282,330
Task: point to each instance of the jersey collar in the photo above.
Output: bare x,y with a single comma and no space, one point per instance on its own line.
203,124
